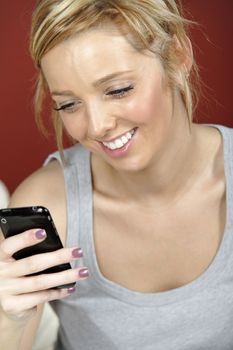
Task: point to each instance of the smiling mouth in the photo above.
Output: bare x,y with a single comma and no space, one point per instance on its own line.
121,141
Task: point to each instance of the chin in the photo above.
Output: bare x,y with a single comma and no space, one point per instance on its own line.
130,165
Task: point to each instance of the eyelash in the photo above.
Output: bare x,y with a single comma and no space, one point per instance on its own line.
67,107
118,93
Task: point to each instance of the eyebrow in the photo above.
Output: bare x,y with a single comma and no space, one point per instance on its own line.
96,83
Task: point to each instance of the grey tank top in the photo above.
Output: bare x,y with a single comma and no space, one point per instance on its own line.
102,315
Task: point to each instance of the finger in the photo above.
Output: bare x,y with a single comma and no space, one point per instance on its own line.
13,244
40,262
22,316
21,306
22,285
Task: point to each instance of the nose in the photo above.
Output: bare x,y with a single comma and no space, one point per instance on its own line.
101,121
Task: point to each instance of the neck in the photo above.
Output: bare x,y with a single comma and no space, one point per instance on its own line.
172,173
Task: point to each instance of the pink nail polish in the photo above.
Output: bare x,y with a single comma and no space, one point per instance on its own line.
71,290
40,234
77,253
83,273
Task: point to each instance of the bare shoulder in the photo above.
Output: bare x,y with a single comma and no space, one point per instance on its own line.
211,143
212,151
40,187
44,187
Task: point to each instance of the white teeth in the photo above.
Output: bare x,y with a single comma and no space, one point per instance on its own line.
118,143
111,145
124,140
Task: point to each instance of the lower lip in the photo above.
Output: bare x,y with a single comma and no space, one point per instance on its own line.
120,151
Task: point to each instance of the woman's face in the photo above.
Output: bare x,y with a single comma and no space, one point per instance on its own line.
112,98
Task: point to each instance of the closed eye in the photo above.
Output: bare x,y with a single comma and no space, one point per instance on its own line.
71,107
118,93
68,107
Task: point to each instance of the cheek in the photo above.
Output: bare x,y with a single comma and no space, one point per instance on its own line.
155,103
74,126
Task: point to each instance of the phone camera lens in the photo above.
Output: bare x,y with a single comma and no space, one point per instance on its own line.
3,221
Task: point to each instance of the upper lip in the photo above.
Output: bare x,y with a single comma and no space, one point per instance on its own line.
118,137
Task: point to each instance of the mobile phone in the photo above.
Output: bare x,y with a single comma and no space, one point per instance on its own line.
17,220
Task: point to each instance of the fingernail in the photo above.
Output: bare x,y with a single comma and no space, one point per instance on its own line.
83,273
40,234
71,290
77,253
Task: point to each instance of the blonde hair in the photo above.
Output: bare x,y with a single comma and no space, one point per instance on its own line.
145,20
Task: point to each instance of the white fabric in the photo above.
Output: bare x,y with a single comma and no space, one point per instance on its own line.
47,332
4,195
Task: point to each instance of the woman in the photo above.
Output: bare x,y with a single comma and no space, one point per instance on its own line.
139,201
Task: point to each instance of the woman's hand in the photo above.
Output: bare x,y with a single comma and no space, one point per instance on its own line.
20,295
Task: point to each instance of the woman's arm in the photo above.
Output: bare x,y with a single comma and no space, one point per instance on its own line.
16,335
21,303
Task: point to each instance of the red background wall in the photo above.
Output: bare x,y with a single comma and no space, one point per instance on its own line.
22,147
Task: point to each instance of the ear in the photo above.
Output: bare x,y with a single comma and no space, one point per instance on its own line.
184,52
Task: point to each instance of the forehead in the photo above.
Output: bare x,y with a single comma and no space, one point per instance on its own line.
93,54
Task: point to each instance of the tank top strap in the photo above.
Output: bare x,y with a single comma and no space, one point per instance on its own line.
80,204
78,186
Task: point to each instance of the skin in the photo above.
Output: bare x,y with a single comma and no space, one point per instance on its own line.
163,133
168,167
170,171
99,117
